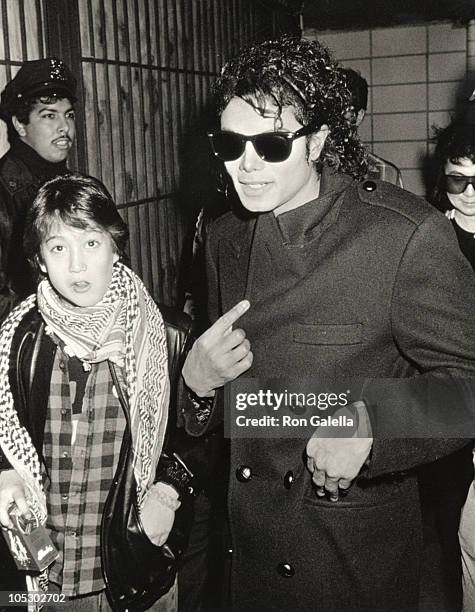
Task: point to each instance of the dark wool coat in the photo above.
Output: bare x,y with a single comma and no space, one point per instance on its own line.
367,281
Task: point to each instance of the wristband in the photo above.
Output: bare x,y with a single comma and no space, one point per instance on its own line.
172,471
202,406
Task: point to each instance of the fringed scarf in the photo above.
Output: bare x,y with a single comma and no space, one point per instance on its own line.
125,327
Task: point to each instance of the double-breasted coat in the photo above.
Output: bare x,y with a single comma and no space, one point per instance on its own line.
365,281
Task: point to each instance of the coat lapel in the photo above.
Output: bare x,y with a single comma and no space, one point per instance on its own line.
263,244
234,255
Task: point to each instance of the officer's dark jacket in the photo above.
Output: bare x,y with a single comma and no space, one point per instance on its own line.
22,172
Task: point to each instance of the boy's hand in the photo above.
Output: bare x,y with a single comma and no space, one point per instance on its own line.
157,517
220,354
12,490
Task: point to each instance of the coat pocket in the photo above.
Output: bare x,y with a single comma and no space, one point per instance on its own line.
305,333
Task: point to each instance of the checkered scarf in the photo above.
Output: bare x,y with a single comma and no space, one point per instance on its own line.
126,327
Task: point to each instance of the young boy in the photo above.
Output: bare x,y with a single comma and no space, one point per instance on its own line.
99,343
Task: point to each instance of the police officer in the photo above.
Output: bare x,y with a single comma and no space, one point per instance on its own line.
37,106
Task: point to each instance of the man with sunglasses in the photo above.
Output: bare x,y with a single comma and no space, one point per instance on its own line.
331,278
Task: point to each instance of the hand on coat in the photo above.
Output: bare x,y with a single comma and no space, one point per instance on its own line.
156,516
12,490
336,462
219,355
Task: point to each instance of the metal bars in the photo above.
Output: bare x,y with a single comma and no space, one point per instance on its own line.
145,67
21,38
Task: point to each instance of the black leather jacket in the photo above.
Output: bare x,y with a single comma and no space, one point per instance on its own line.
181,463
22,171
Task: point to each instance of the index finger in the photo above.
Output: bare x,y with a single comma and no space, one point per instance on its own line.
226,320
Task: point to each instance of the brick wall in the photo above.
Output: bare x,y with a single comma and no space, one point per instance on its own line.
416,74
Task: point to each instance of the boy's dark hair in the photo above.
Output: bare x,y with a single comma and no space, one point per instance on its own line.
358,87
302,74
78,201
21,109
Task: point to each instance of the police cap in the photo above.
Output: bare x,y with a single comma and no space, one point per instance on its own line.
48,77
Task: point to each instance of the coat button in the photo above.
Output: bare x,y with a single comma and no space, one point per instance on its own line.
285,570
244,473
289,479
369,186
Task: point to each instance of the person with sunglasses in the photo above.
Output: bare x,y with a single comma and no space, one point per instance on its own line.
444,483
448,480
321,275
455,188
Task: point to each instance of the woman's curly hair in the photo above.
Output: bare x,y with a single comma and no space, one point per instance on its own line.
302,74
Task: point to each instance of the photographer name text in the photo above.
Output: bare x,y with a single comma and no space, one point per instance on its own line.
289,421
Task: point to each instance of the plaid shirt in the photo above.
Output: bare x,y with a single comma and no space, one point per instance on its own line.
79,475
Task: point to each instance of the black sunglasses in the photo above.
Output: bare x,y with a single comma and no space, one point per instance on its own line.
272,147
457,183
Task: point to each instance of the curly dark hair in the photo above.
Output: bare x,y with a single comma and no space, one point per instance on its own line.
302,74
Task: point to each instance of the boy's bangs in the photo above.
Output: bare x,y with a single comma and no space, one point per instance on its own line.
77,218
